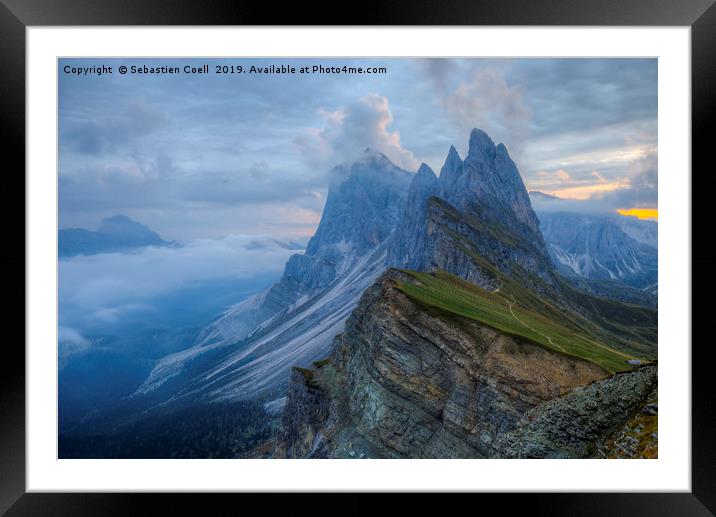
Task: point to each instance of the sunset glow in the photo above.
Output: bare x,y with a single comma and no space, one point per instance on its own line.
583,192
641,213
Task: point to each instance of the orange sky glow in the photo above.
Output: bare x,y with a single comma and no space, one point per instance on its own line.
641,213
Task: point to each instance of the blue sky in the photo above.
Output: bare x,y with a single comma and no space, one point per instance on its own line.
206,156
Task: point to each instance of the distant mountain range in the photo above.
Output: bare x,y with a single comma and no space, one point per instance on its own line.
603,247
116,233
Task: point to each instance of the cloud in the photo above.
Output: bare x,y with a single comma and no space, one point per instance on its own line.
479,94
573,95
488,102
350,130
182,204
102,290
440,71
106,131
561,184
259,170
644,182
70,342
573,114
637,188
206,157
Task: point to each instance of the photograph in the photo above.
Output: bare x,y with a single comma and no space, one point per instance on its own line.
357,258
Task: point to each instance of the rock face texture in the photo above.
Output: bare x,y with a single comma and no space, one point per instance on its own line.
302,422
478,206
457,238
489,184
402,382
576,425
361,211
365,201
409,246
638,436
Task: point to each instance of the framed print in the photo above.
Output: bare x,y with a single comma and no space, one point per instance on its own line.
433,251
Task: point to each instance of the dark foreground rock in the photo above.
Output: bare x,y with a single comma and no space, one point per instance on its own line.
603,419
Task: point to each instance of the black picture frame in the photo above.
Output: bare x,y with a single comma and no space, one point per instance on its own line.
700,15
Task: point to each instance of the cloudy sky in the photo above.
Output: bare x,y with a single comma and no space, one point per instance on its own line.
206,156
236,166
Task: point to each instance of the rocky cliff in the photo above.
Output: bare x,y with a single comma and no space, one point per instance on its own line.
475,347
406,380
598,420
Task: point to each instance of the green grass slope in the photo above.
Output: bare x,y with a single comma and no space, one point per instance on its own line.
631,329
518,312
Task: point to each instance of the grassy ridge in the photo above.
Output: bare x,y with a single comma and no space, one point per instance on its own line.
635,323
503,311
627,328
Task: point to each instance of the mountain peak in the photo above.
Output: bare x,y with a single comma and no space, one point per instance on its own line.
425,171
119,218
115,233
363,203
370,155
452,167
124,226
480,144
453,155
453,160
477,201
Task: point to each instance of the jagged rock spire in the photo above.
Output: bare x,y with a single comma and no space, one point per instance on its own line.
481,145
483,200
452,168
424,172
